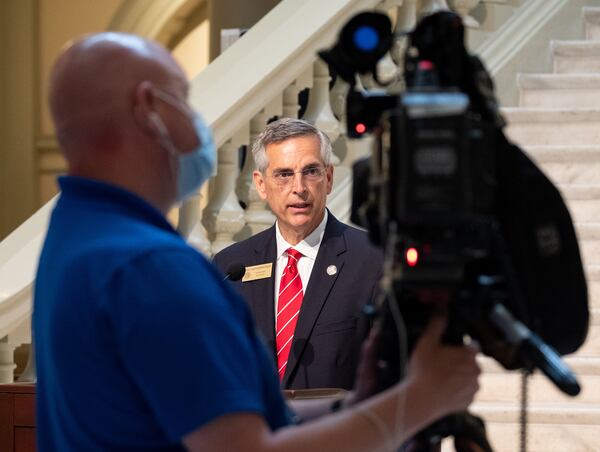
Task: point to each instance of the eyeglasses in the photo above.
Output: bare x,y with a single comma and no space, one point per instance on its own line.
310,174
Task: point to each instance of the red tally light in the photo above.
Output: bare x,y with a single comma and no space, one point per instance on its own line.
425,65
360,128
412,257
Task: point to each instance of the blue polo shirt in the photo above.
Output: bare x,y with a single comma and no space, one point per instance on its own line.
138,340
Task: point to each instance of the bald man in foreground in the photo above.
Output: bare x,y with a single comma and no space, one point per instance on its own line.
141,346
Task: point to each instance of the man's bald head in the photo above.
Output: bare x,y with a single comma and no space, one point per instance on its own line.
110,121
94,81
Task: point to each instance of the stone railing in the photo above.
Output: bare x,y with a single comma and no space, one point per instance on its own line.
19,254
257,78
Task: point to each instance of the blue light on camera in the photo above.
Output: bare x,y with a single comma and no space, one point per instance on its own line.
366,38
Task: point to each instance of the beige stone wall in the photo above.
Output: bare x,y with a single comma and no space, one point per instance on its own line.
32,32
192,52
234,14
17,94
59,22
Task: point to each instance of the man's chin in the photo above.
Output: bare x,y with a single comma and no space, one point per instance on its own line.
299,220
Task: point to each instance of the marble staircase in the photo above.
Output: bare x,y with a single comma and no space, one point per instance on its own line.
557,123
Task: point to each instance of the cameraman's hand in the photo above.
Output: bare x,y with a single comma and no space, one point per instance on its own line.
445,376
367,371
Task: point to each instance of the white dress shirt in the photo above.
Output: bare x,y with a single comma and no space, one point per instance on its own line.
309,247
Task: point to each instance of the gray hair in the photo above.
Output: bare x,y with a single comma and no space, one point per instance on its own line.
284,129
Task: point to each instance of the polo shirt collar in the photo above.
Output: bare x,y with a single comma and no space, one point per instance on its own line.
108,196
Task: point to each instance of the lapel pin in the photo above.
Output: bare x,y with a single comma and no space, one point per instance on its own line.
331,270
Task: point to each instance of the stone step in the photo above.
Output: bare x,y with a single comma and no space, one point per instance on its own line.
575,57
574,413
583,201
545,126
559,127
500,385
588,235
568,164
591,347
550,428
559,90
564,427
590,251
592,274
591,20
588,231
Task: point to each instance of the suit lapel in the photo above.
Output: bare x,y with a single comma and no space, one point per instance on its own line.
319,287
261,291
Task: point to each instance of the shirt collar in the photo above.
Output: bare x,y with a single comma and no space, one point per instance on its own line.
107,196
309,246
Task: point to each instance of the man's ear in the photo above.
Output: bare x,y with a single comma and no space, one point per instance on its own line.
259,183
144,107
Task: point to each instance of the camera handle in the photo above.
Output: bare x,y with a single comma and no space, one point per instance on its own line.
467,429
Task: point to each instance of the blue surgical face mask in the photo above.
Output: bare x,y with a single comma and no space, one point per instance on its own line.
197,166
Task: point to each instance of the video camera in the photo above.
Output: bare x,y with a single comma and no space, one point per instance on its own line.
466,219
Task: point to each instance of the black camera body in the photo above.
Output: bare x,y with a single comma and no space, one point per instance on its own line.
432,174
467,220
434,186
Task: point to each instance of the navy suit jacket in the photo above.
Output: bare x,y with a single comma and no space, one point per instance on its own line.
331,325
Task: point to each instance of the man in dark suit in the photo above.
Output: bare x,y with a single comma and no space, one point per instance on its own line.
309,276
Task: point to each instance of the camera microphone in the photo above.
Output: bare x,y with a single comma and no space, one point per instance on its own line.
235,272
549,362
533,350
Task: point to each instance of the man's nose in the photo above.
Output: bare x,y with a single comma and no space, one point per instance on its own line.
298,183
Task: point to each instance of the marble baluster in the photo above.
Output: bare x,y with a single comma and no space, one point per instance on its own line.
258,215
29,374
7,360
432,6
23,335
406,19
19,335
223,216
463,8
189,225
290,94
388,71
337,99
318,111
346,148
245,181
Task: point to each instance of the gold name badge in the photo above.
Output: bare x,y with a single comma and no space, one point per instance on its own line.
255,272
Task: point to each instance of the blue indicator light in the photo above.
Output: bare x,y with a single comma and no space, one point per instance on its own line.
366,38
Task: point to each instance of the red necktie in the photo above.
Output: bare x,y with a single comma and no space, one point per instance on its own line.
288,308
